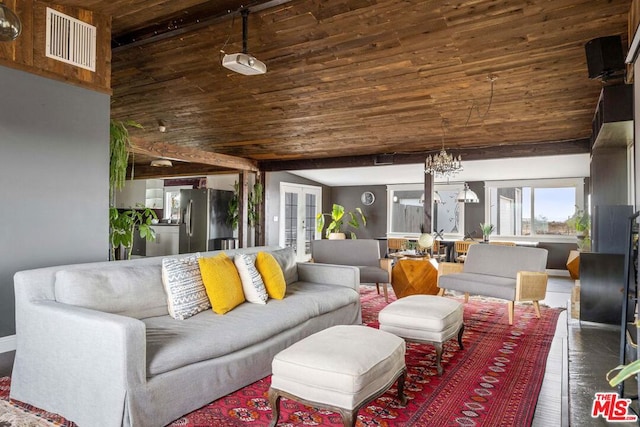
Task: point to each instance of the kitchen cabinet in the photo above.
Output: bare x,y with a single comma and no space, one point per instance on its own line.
137,193
131,195
154,194
166,243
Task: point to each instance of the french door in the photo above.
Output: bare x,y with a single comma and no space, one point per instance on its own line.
299,205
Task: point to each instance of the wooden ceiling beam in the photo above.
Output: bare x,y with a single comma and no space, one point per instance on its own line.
190,19
577,146
177,170
191,155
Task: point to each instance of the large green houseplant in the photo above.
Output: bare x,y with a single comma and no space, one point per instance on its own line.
119,144
580,221
338,219
123,224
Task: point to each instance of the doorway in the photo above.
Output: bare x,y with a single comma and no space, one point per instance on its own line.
299,205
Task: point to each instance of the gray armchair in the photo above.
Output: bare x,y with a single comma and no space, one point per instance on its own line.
361,253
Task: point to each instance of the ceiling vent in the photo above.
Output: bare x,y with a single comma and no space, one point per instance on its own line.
70,40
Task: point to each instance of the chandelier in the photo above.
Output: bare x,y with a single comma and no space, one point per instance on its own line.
442,164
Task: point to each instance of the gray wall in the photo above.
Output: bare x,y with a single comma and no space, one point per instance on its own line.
376,214
54,170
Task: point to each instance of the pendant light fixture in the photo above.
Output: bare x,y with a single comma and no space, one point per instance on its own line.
161,163
466,195
10,26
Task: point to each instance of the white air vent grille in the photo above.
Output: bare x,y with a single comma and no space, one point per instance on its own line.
70,40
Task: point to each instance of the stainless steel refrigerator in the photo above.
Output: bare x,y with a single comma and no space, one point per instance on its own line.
203,225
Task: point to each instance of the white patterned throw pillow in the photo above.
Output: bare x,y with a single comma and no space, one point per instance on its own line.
186,295
252,284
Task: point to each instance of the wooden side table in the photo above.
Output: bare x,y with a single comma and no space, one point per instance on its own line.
415,277
573,264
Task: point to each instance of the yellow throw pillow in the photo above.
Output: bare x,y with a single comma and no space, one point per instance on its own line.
272,275
222,282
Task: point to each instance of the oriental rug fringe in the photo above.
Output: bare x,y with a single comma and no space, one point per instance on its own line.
494,381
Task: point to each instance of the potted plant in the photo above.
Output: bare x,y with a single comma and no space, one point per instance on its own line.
337,215
253,213
487,229
122,226
581,223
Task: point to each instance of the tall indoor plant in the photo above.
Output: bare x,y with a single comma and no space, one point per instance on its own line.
123,223
337,215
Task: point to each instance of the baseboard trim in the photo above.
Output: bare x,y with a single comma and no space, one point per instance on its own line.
7,344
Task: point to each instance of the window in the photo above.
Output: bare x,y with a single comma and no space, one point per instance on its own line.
533,208
406,211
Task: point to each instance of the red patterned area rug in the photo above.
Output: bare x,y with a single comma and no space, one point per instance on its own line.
494,381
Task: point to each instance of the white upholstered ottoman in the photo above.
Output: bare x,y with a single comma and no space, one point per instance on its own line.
340,368
424,318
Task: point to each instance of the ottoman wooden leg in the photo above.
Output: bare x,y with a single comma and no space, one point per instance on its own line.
460,336
402,398
438,346
274,402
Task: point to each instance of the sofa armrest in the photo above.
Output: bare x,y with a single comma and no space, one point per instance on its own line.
331,274
72,349
531,286
445,268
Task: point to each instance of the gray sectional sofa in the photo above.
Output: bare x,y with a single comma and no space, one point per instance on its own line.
112,356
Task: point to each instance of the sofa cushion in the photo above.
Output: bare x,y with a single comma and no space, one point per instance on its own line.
369,274
480,284
252,283
346,252
172,344
183,285
504,261
272,275
222,282
129,291
287,260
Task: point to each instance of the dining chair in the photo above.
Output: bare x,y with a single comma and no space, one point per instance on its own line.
438,251
396,244
502,243
461,248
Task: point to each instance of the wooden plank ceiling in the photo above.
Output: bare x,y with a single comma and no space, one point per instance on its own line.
356,77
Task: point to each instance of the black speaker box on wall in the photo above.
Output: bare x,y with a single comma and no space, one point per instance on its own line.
604,56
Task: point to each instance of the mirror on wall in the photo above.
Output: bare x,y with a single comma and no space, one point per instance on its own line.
448,214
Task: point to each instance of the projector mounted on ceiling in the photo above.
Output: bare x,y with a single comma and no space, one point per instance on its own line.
244,63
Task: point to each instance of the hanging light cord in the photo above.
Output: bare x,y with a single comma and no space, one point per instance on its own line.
233,21
491,79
